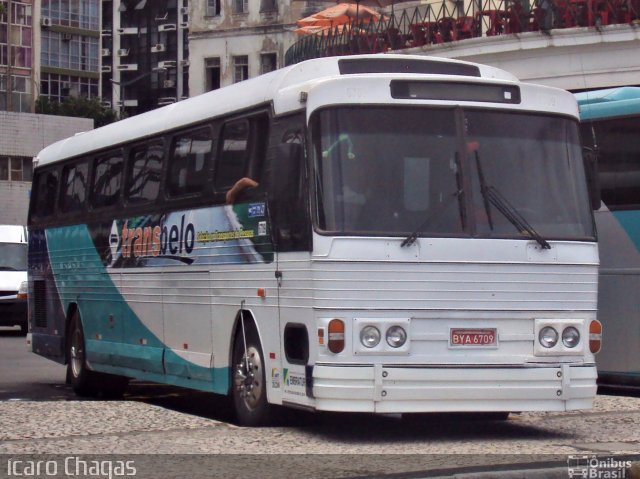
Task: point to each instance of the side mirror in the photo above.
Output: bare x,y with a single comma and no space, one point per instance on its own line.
285,172
590,159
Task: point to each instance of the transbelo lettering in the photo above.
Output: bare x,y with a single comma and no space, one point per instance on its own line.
158,240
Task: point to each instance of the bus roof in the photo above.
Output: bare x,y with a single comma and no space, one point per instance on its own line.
609,103
280,88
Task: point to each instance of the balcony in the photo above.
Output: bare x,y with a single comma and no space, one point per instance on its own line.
447,21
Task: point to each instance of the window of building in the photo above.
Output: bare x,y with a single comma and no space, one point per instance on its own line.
16,168
21,93
212,73
240,6
268,6
73,52
213,8
189,159
57,87
145,171
83,14
240,68
268,62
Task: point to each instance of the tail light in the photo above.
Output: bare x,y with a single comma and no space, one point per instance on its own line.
595,336
336,336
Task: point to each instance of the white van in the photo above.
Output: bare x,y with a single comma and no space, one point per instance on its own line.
13,276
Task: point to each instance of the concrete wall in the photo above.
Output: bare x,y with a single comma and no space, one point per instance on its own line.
24,135
572,58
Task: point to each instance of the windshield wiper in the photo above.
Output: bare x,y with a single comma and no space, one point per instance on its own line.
492,196
459,193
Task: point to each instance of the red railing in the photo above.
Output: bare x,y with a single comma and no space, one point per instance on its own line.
450,21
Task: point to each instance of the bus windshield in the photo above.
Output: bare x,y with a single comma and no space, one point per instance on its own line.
449,172
13,256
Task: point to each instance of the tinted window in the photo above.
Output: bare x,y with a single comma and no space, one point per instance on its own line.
107,181
144,172
231,164
618,145
45,187
190,153
74,187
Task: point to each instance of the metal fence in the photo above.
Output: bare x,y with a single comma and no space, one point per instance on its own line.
451,21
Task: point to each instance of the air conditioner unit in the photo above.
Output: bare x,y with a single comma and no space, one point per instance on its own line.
184,63
167,100
123,52
121,103
128,31
158,48
184,10
105,69
128,67
169,84
45,21
66,37
105,33
166,64
105,52
167,27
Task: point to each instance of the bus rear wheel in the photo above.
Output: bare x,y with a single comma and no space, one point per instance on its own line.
87,383
249,388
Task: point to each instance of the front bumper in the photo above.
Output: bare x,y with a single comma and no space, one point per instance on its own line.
13,312
393,389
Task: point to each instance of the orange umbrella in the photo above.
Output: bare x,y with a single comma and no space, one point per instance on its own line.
340,14
314,29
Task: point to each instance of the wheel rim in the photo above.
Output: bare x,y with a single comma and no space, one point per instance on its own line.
248,378
77,353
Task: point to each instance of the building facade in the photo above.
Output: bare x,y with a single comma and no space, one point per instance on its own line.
19,43
144,54
232,40
22,136
70,49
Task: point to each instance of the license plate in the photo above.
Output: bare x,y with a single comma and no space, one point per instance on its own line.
474,337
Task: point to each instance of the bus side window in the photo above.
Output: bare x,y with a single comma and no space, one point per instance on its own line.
107,180
189,162
231,164
46,186
618,161
74,187
144,172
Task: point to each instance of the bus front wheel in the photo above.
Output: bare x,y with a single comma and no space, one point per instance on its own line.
249,389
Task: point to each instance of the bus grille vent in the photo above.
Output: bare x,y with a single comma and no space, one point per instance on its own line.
40,304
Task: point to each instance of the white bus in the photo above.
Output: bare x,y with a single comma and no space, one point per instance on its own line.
403,235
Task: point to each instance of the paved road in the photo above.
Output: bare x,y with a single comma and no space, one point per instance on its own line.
38,414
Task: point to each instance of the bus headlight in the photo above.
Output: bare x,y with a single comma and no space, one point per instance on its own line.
548,337
370,336
570,337
396,336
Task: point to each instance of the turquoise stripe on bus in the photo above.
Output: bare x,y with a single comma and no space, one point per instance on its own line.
82,278
630,221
